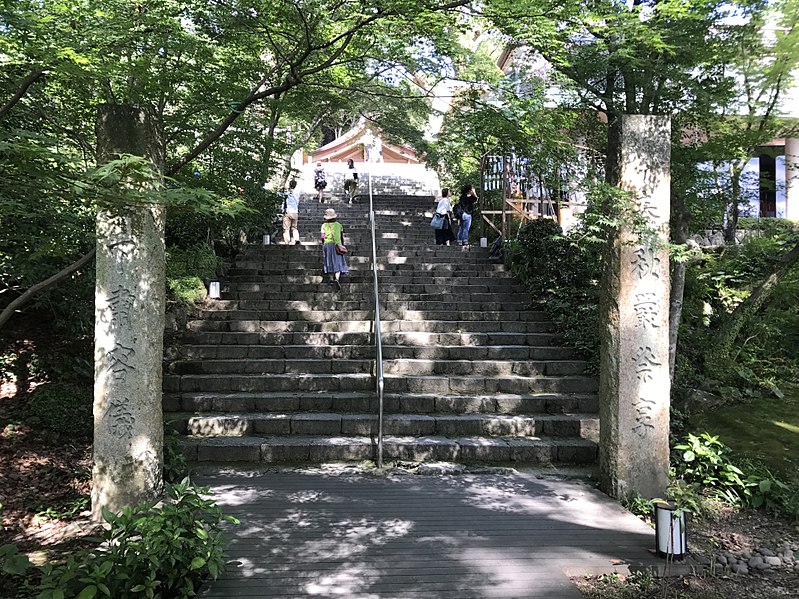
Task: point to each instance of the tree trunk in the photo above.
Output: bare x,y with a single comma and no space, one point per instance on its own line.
737,319
613,154
680,219
129,326
733,208
36,289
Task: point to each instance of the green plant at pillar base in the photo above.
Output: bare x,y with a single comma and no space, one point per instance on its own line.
702,469
638,505
704,461
148,551
176,467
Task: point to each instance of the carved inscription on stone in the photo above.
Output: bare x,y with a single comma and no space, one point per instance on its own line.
646,310
644,409
645,362
646,263
121,418
119,361
121,303
648,210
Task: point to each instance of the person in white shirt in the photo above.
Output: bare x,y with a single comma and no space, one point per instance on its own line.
291,215
445,235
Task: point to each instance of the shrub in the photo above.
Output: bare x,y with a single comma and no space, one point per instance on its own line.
64,408
175,465
148,551
187,270
568,292
187,290
197,260
702,463
704,460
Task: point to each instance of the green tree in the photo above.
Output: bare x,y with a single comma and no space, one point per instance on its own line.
226,83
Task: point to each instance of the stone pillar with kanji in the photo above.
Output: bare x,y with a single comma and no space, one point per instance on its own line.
129,323
792,178
634,308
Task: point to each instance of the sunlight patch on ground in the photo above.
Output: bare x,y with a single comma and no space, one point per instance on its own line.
347,582
503,573
240,496
787,427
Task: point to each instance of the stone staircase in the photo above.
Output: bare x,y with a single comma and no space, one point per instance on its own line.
281,369
388,179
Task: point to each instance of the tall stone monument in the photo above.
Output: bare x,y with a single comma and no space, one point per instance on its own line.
129,326
792,178
634,309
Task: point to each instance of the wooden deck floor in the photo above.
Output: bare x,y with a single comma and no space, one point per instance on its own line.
367,536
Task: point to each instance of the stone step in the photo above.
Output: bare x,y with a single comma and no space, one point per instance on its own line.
396,264
399,366
393,403
488,279
366,350
454,288
362,381
386,298
474,327
357,305
283,450
460,321
307,252
577,426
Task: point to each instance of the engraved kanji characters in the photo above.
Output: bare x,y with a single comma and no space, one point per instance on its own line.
646,263
646,310
119,361
645,361
121,304
644,409
121,418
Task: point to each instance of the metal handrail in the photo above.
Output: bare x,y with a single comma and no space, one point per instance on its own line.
378,334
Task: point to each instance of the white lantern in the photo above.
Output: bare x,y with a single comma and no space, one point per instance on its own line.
671,536
267,239
213,290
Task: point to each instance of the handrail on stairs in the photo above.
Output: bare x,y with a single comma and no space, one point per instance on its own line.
377,332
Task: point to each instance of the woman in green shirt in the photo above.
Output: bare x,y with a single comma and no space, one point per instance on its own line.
332,234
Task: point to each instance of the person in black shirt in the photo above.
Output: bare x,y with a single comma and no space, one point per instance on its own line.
467,201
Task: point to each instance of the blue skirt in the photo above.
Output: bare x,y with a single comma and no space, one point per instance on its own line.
331,261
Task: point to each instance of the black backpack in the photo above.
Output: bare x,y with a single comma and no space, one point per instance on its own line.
457,210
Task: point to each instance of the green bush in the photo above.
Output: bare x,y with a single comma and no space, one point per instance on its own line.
198,260
187,271
702,463
187,290
64,408
562,272
175,466
148,551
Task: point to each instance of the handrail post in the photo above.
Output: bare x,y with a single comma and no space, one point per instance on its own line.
377,333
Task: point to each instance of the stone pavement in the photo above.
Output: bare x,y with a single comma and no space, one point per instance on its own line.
340,532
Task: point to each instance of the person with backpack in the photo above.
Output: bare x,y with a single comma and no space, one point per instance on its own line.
291,215
444,235
319,182
350,180
463,212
